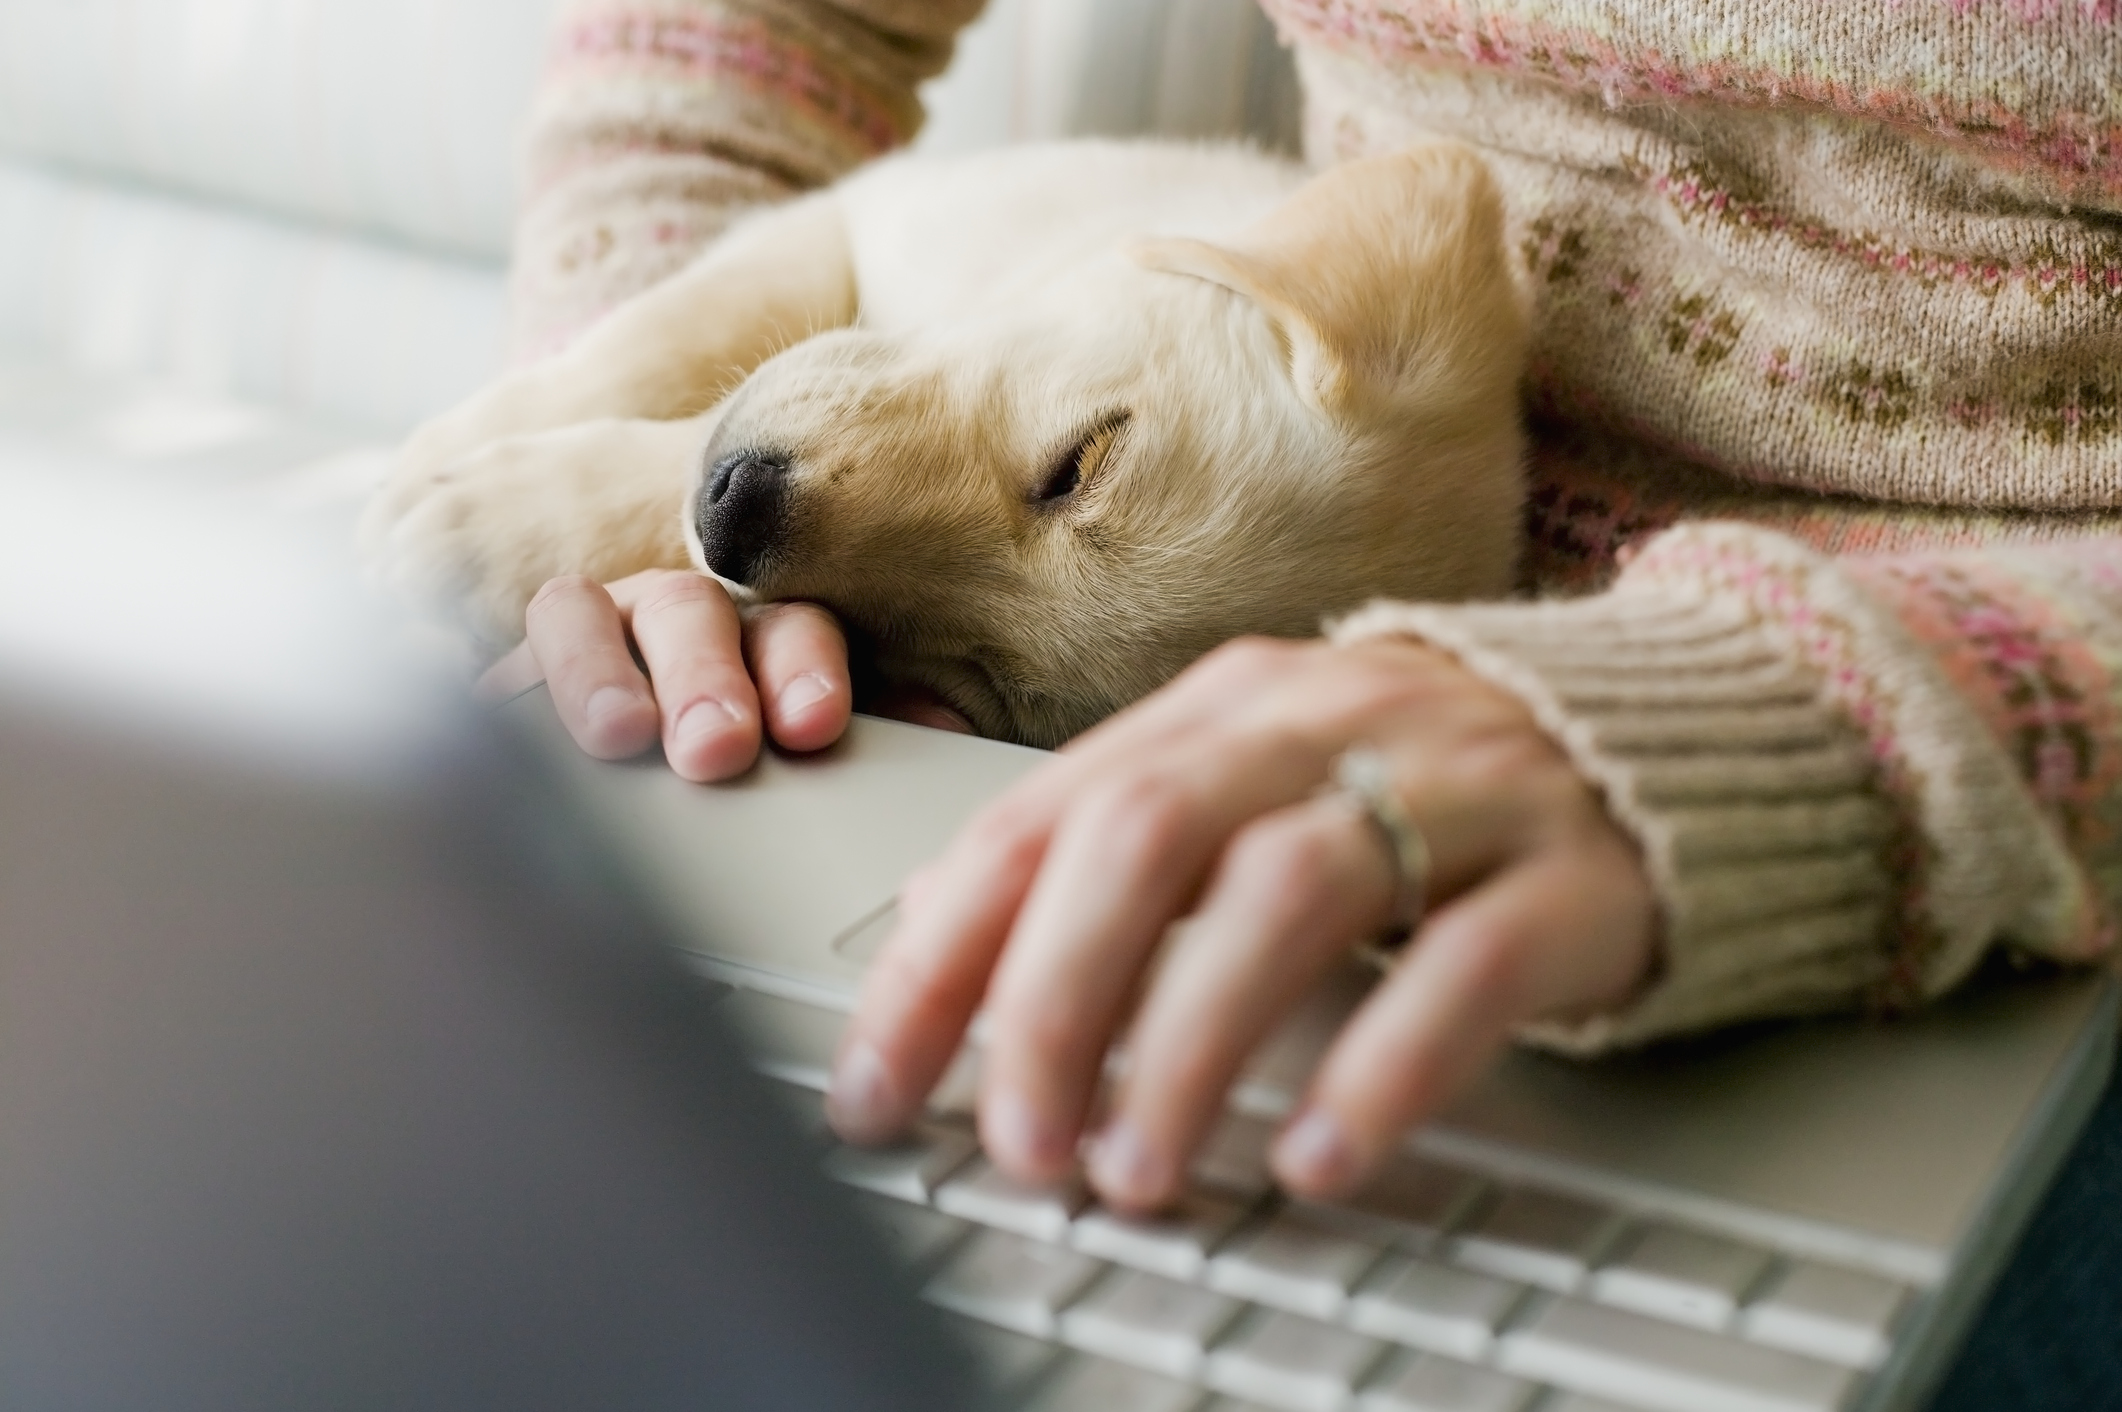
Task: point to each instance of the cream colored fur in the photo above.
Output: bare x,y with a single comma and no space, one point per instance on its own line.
1278,396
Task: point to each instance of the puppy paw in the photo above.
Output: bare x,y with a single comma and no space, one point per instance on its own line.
473,539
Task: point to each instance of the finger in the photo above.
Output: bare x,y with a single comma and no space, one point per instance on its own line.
514,674
1126,859
693,642
577,640
1567,929
1293,891
921,990
798,659
928,978
933,971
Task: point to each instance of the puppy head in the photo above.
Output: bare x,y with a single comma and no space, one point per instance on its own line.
1045,513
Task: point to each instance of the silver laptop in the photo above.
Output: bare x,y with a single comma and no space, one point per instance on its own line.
1799,1218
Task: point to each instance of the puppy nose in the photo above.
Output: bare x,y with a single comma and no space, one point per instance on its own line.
739,511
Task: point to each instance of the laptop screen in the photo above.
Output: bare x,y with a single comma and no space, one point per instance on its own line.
345,1073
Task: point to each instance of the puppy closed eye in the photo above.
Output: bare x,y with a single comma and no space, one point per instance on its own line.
1075,467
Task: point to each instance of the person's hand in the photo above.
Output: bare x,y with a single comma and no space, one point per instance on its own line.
713,673
1203,802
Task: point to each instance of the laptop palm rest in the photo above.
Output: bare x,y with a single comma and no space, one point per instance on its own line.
781,879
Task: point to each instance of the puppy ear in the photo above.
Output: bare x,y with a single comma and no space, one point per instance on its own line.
1377,273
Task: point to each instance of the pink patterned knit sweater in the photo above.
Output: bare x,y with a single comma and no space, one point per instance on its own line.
1825,567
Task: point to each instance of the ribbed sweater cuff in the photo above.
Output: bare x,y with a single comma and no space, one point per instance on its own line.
1750,796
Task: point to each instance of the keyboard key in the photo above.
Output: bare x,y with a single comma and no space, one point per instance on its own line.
981,1193
1088,1384
1840,1315
1176,1242
1434,1306
1149,1321
1291,1362
1424,1382
919,1235
1411,1204
1612,1353
911,1169
1016,1283
1680,1275
1234,1158
1291,1264
1537,1237
1011,1362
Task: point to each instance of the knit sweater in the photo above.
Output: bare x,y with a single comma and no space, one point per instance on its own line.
1824,576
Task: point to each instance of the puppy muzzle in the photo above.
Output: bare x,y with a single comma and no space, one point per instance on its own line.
740,512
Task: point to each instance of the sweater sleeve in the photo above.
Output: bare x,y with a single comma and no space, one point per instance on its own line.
1849,777
657,122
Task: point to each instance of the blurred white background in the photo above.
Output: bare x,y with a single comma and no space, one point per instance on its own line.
255,240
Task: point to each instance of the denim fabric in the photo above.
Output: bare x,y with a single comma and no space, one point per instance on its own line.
2050,1338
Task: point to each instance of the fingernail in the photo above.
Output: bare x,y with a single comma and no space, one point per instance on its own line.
803,693
702,720
1314,1153
1124,1167
1015,1134
860,1101
608,702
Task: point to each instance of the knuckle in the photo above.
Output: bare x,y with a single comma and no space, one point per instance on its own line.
1285,855
789,610
928,976
675,588
572,661
1287,735
808,626
916,977
1007,834
1143,815
1033,1027
555,589
1243,659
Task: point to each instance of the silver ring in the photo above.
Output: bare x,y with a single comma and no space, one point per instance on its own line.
1365,777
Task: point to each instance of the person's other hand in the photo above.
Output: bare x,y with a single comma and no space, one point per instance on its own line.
1203,802
714,673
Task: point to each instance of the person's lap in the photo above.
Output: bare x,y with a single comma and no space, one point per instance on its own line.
2050,1337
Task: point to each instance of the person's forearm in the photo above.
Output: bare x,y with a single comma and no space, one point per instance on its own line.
657,124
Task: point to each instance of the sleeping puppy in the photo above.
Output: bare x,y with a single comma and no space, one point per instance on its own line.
1042,426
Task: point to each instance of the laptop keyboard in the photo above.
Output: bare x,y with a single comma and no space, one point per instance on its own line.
1435,1290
